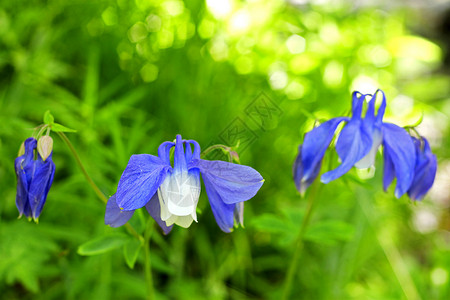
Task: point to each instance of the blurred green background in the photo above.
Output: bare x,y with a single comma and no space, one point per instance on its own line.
128,75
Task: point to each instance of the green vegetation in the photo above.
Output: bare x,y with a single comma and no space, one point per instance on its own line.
128,75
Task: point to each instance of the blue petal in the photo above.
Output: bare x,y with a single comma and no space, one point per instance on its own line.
226,185
298,173
25,167
188,152
357,104
239,213
223,213
164,151
30,145
140,180
234,183
314,146
189,155
401,151
388,171
179,159
381,109
22,185
40,184
353,143
370,118
425,171
154,209
114,216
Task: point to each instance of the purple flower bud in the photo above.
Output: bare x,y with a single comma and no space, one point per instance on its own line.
34,179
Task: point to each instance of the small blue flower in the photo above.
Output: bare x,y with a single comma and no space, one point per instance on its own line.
425,170
170,193
34,179
357,146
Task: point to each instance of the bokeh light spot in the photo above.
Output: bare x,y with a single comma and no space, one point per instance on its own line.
219,8
439,276
137,32
296,44
149,72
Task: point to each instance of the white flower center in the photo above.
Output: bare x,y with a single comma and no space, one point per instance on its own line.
178,197
369,160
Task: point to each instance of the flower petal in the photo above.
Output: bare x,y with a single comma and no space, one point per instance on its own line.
179,158
22,187
425,171
357,104
315,144
164,151
189,155
353,144
40,184
114,216
297,171
179,194
154,209
25,167
381,109
400,149
140,180
234,183
223,213
239,213
388,170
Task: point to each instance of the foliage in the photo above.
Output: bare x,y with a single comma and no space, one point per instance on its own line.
128,75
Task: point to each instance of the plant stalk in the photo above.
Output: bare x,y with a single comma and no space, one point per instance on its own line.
148,266
97,191
299,244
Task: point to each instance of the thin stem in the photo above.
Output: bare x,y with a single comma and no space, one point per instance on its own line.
97,191
214,147
148,266
393,256
299,243
80,164
41,131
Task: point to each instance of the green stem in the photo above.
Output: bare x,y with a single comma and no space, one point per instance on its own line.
40,131
299,243
148,266
214,147
80,164
393,255
97,191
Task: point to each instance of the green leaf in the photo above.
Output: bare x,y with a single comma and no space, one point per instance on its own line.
329,232
162,266
24,261
48,118
271,223
138,221
131,252
103,244
60,128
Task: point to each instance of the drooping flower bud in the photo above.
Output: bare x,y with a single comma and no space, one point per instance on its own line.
234,156
45,146
34,179
21,150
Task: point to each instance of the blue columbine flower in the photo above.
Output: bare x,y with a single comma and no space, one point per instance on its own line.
34,179
170,193
425,170
357,146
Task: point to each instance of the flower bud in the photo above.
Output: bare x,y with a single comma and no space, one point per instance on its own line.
34,179
235,156
21,150
45,146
